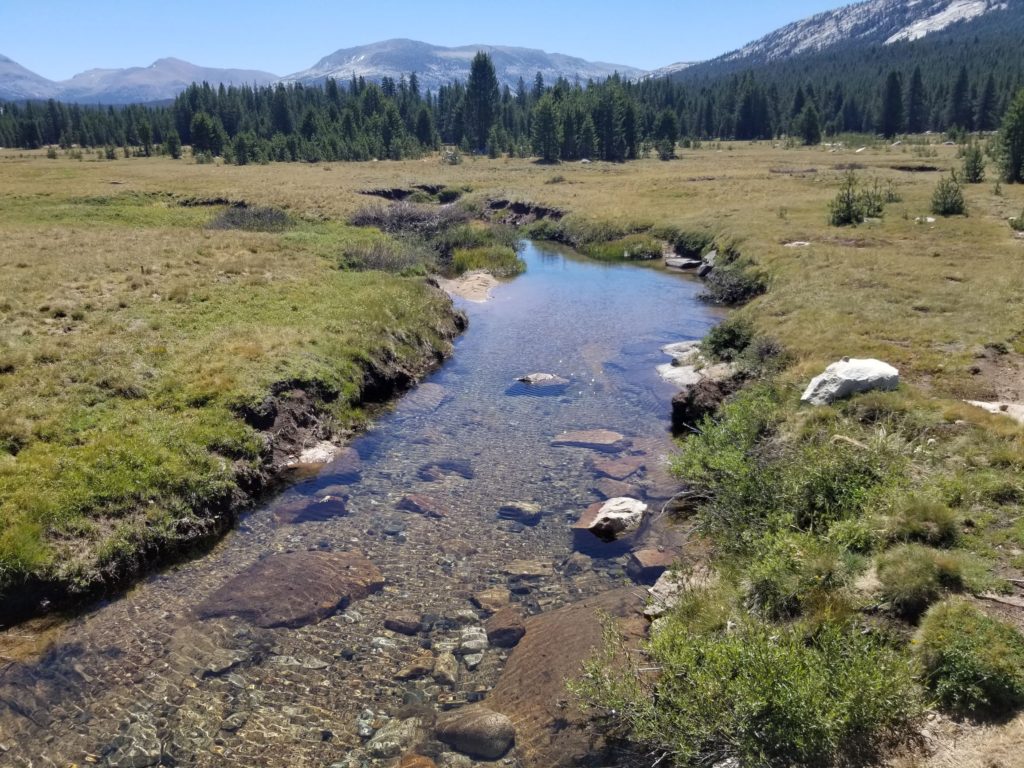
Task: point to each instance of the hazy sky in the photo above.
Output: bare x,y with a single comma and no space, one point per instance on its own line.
59,38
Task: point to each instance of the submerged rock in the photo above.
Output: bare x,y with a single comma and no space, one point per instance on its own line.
608,520
423,505
848,377
492,600
505,628
595,439
478,732
138,746
543,380
522,512
438,470
619,468
293,589
404,623
395,737
646,565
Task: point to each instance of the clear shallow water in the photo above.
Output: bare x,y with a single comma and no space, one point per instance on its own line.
145,669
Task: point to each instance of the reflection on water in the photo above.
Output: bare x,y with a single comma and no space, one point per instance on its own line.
441,495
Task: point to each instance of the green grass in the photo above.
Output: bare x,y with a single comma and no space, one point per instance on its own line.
134,336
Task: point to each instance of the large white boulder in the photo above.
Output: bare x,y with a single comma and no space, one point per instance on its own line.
608,520
848,377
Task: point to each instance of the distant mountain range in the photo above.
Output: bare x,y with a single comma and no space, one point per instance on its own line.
875,22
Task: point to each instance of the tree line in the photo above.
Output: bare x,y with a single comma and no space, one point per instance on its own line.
615,120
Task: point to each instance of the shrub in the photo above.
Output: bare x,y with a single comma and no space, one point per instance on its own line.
948,198
924,521
795,572
733,281
408,218
913,576
974,165
729,339
1017,224
846,208
760,694
258,219
973,664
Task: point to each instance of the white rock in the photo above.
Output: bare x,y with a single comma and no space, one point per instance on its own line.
680,375
685,352
848,377
1013,411
618,516
321,453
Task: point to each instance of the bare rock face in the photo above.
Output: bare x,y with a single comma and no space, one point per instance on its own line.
849,377
551,731
293,589
505,628
478,732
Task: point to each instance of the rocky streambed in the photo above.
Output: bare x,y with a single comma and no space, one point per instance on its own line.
421,599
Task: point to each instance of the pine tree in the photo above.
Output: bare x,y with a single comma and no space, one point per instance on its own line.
481,104
985,116
917,109
587,144
958,111
546,139
810,126
1011,142
892,106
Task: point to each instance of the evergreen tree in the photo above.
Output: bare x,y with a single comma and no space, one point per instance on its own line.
917,109
985,116
546,139
958,112
892,106
810,126
172,145
1011,141
481,100
587,144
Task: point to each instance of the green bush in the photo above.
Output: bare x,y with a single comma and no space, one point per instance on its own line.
948,198
973,664
733,281
853,204
914,576
765,695
924,521
974,165
729,339
796,573
1017,224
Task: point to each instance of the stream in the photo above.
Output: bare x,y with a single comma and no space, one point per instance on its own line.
150,678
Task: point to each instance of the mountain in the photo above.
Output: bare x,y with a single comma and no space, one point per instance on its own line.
17,83
161,80
875,22
435,65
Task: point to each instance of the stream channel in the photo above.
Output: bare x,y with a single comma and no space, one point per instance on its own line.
149,679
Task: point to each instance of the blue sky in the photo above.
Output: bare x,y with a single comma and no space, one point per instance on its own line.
59,38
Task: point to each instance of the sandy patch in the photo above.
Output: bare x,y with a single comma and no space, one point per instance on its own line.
472,286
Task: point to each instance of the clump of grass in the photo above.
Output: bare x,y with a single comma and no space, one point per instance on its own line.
252,219
757,693
631,248
386,256
1017,224
924,521
973,664
499,260
914,576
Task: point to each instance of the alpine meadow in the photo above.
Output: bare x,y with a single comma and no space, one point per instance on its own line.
479,405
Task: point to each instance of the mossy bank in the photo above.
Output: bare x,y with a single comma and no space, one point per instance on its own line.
159,362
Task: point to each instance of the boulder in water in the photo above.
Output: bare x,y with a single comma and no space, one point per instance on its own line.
478,732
